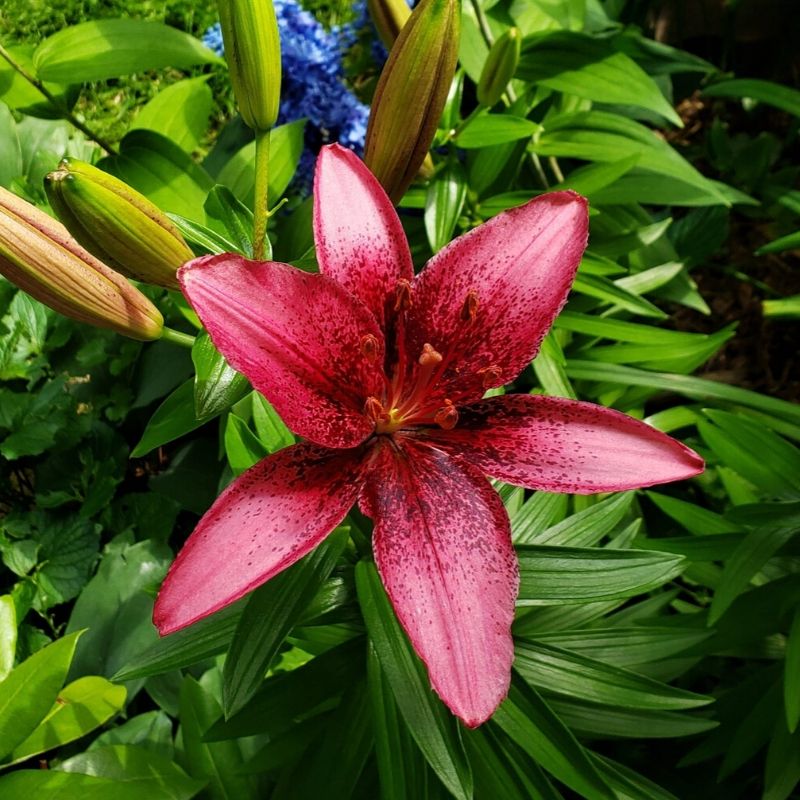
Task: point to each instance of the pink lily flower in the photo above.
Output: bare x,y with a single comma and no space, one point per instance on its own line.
383,374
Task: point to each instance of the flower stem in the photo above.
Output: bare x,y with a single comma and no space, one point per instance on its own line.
176,337
64,112
260,212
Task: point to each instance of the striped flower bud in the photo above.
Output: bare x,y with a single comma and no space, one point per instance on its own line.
253,53
40,257
389,17
116,223
411,94
499,69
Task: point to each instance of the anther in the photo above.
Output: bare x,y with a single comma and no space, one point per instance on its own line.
369,347
429,357
490,376
470,308
402,295
447,416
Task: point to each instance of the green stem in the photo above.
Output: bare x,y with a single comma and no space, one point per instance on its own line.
483,23
176,337
53,100
464,122
260,203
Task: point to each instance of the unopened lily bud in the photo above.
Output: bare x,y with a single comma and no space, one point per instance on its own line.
389,17
253,52
411,94
117,224
499,69
40,257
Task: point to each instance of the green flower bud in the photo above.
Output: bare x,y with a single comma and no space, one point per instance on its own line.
116,223
411,94
40,257
389,17
253,53
499,69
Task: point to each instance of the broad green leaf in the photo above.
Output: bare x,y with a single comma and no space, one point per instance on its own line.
287,696
286,145
152,730
549,369
696,519
748,558
789,242
557,575
587,527
431,725
443,203
601,136
217,385
162,172
613,293
611,721
783,764
537,514
577,64
501,768
629,785
271,429
180,112
133,772
696,388
565,673
773,94
175,417
487,130
22,96
29,691
242,447
269,615
233,219
110,48
197,642
718,547
45,784
80,707
218,763
8,635
10,151
592,178
203,240
401,767
791,675
626,646
531,723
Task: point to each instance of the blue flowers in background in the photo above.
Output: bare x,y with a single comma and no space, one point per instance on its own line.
312,82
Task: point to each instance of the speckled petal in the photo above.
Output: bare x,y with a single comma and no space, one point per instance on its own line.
565,446
360,241
443,549
487,299
298,337
267,519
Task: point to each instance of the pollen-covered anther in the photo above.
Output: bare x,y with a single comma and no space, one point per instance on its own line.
447,416
402,294
469,311
429,357
370,347
490,376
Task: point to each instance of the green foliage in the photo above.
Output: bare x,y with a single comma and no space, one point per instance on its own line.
668,614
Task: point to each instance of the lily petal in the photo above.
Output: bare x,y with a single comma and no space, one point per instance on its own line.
486,300
443,549
562,445
360,241
268,518
299,338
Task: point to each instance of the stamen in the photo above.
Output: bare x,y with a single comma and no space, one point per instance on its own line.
402,295
470,308
490,376
447,416
429,357
370,347
373,408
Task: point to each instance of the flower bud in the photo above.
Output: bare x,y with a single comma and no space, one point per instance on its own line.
389,17
499,69
253,52
116,223
411,94
40,257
